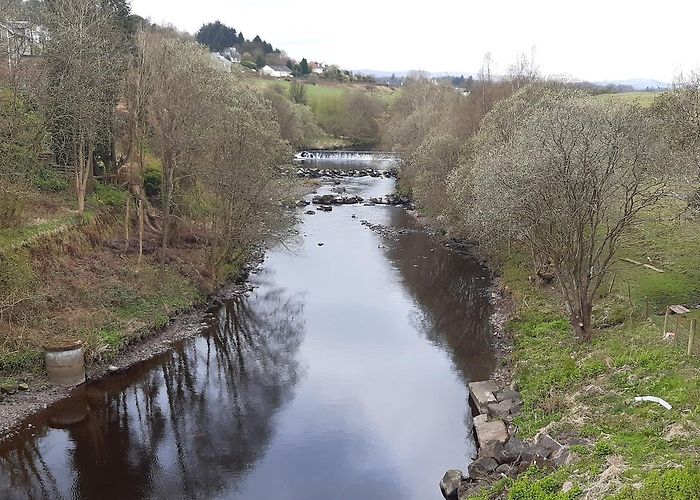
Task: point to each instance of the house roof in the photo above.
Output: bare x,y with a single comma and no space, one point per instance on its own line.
16,28
278,67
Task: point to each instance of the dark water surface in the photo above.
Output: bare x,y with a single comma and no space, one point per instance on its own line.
341,376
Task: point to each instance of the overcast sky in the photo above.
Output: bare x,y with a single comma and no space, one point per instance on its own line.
592,39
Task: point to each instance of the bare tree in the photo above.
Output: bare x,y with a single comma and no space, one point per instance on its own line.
220,147
84,57
180,104
523,71
679,109
243,182
568,183
137,91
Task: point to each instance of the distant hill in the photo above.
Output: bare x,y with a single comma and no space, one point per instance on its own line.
401,74
634,83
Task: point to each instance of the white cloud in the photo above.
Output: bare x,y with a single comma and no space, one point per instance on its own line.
594,40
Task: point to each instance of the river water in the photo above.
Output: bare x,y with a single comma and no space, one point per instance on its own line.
342,375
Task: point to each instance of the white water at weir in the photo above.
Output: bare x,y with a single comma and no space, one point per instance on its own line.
340,155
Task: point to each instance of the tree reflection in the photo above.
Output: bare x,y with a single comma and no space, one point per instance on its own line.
453,295
188,424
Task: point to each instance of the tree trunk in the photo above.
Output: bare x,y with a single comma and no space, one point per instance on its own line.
127,222
79,174
581,318
140,205
78,184
169,183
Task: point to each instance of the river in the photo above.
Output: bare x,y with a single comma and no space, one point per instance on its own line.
342,374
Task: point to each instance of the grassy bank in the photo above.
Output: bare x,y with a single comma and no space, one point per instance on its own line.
75,279
584,393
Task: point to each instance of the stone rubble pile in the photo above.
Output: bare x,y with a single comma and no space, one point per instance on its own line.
500,452
331,199
316,173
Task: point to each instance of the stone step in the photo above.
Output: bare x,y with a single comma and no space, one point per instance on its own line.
490,431
483,393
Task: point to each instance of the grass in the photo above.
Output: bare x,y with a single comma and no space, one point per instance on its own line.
136,303
16,237
644,99
586,391
317,93
80,284
91,293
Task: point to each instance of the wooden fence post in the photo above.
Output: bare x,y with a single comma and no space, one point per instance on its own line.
691,338
666,323
612,283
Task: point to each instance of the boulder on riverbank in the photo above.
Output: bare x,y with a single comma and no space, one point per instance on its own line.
450,483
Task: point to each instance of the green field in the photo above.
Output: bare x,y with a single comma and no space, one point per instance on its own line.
317,93
644,99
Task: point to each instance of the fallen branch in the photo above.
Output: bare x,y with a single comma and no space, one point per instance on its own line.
637,263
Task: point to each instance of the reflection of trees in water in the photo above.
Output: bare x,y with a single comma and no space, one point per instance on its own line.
187,425
455,310
26,474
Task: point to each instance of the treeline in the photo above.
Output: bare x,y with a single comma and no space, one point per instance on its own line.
217,37
196,150
536,166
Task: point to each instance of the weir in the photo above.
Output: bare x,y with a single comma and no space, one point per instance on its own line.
361,156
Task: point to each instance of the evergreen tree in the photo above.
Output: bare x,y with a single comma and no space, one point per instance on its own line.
304,67
217,36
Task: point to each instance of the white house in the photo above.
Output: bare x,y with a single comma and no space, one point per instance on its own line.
276,70
221,61
231,54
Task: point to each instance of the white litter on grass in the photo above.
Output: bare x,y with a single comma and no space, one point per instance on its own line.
654,399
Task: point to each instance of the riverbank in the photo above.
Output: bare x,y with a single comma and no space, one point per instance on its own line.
585,393
85,282
156,317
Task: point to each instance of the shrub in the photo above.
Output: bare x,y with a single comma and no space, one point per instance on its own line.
48,179
21,134
152,178
105,194
11,208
